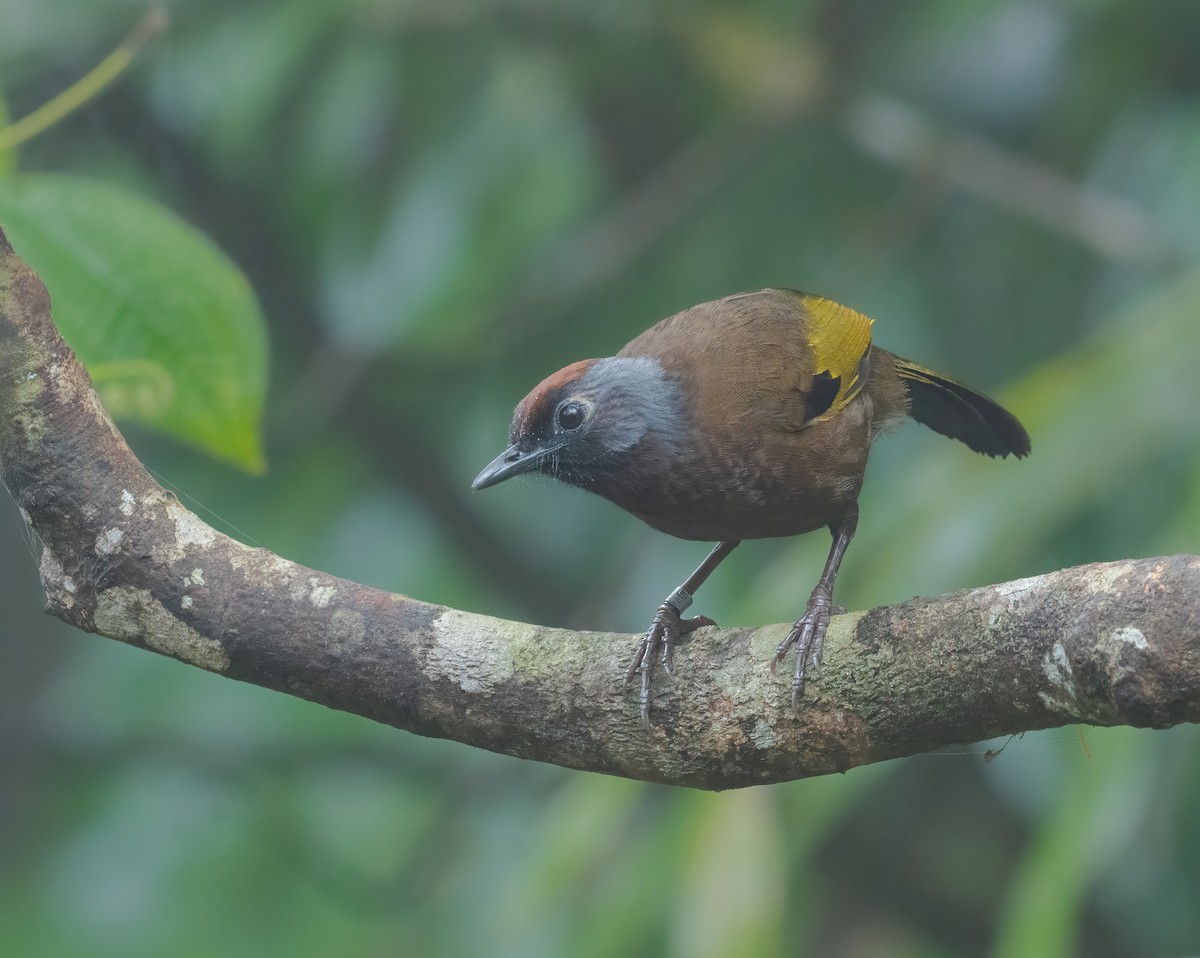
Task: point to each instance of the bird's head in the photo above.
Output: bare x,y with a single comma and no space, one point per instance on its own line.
581,424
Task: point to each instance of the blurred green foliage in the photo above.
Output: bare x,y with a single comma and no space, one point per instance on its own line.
8,158
438,204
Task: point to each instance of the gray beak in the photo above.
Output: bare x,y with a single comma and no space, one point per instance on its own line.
511,462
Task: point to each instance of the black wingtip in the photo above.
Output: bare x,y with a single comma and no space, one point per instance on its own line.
959,412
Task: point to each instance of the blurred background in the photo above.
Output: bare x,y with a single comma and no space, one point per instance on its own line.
439,203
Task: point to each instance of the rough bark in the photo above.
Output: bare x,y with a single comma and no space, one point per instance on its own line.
1109,644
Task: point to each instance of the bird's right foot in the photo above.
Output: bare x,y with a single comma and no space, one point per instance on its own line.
658,645
808,636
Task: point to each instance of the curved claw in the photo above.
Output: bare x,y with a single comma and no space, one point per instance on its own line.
808,635
659,643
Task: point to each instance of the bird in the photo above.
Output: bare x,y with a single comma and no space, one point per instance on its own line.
747,417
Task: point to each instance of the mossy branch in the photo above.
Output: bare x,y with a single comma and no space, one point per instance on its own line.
1111,644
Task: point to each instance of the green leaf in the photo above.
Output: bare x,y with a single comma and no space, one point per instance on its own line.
167,326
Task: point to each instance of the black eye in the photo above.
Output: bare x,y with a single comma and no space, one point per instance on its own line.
570,415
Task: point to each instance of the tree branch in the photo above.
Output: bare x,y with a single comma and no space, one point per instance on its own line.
1112,644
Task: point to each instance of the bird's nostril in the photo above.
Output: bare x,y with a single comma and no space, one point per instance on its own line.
512,456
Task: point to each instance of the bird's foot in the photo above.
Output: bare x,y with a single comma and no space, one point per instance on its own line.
658,645
808,635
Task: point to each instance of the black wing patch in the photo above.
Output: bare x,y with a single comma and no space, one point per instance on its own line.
824,391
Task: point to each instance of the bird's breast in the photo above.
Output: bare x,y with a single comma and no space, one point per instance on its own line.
750,483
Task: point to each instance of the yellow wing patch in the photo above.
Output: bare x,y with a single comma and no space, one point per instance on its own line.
840,338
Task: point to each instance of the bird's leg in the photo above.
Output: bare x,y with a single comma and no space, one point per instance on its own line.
808,634
669,626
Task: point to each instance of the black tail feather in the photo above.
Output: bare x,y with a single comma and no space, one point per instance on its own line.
957,411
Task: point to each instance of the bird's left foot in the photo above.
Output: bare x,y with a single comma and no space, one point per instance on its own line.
808,635
658,645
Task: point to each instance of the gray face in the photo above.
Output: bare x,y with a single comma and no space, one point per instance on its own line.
580,428
623,399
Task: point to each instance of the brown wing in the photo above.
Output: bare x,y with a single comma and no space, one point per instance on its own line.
771,358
